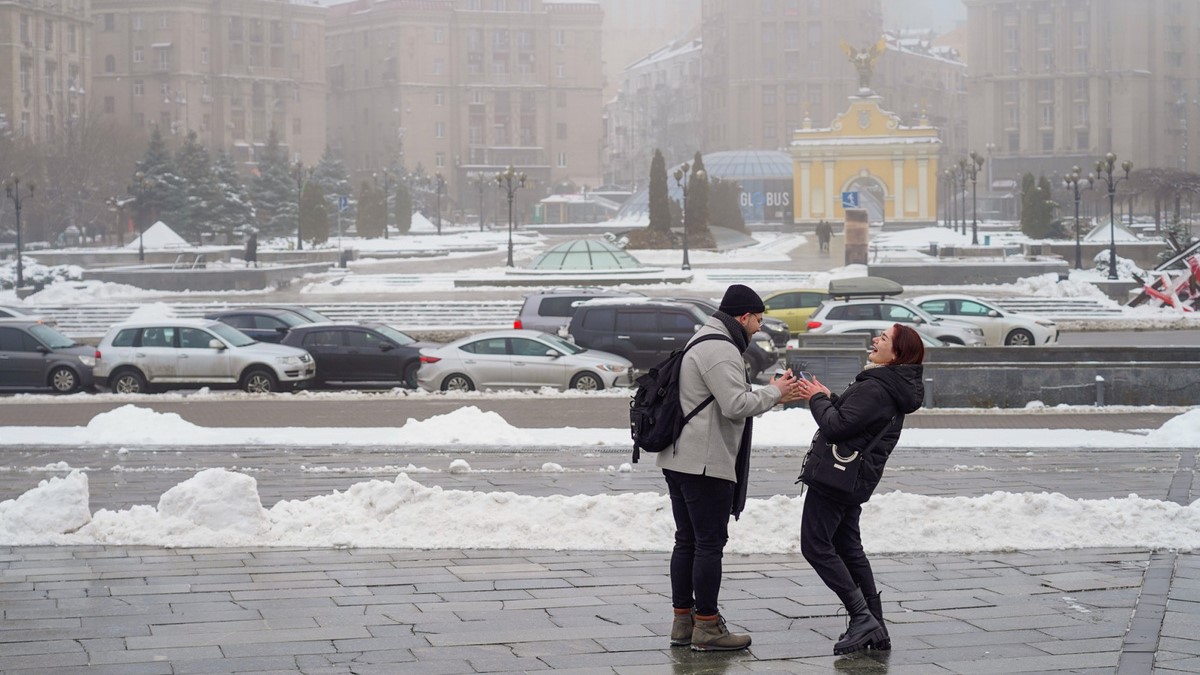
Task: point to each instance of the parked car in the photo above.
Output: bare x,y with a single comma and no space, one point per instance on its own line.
794,307
891,310
643,330
134,356
876,328
35,356
264,325
519,358
12,313
1000,326
763,353
359,352
551,310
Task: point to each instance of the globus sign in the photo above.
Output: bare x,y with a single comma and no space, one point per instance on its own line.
767,199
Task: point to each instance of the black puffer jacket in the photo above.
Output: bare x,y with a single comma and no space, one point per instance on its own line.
877,395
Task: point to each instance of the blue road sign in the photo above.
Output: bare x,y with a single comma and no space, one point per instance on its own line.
849,200
343,202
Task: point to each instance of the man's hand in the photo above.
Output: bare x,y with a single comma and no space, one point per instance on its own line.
809,388
788,386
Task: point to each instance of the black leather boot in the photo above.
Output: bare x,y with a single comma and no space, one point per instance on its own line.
875,604
864,630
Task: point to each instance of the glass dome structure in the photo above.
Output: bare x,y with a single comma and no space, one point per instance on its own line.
586,254
765,177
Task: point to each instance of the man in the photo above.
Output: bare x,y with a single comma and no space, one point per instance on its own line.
707,469
824,233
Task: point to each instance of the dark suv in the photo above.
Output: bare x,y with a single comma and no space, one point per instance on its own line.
550,310
35,356
264,325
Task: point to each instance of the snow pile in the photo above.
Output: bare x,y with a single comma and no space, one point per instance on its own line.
220,508
467,425
153,312
84,292
1177,431
130,424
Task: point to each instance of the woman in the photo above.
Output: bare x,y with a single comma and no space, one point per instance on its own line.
881,395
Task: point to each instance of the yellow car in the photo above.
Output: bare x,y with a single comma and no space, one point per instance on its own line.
794,307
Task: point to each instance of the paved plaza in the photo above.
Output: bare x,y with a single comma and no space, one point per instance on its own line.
128,610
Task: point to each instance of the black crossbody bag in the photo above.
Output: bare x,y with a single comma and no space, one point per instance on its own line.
834,472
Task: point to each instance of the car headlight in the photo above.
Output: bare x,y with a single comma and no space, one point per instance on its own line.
288,360
89,361
975,331
766,345
611,368
1045,324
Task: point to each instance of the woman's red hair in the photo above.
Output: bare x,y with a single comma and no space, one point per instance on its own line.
906,345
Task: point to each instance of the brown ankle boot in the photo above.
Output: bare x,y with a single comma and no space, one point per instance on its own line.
710,634
681,628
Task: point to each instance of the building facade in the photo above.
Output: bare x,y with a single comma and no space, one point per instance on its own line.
466,88
232,70
657,106
44,66
633,27
1055,83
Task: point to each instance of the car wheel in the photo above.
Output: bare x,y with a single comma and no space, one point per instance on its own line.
128,382
259,381
587,382
1019,338
63,380
410,374
951,340
457,382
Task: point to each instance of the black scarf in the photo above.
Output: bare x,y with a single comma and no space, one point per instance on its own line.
741,467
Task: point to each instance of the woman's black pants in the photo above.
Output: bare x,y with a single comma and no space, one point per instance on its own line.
831,542
701,506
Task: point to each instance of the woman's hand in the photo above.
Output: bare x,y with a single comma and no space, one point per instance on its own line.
809,388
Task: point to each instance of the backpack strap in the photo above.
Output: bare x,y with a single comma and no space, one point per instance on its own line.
703,404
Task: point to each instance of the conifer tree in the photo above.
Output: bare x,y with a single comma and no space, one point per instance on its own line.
695,214
314,213
404,209
274,190
198,186
164,198
660,211
370,217
233,210
331,175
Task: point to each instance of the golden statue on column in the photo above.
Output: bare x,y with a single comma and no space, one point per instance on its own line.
864,62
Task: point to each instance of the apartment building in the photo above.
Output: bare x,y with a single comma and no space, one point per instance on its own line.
232,70
633,27
44,66
1055,83
467,88
917,77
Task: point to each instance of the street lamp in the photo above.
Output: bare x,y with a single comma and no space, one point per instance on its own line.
1104,172
973,168
387,186
12,188
301,174
1073,181
141,185
682,179
440,183
480,181
510,181
948,181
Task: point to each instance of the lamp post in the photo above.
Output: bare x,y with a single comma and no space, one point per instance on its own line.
141,185
973,168
510,181
480,182
682,179
962,184
948,181
1104,172
301,174
12,188
1073,181
440,186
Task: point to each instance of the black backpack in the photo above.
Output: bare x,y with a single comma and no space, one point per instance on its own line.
655,415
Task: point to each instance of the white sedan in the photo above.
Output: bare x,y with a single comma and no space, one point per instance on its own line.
520,359
1000,326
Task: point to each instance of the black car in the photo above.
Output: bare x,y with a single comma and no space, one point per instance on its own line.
359,352
762,355
776,329
312,315
36,356
264,325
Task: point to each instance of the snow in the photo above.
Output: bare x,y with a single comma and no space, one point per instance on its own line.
218,507
158,236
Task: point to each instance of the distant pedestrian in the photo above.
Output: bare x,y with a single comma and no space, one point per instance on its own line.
708,468
824,233
251,255
870,411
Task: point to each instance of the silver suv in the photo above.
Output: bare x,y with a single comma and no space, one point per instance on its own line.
133,356
550,311
833,312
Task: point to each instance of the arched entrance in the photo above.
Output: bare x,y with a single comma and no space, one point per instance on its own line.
872,196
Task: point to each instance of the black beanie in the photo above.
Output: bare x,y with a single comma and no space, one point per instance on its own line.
741,300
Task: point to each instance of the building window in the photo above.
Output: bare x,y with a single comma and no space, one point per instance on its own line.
439,98
562,160
439,66
296,126
1047,116
139,120
1047,141
164,59
439,130
48,34
439,160
71,40
560,99
768,95
1081,114
560,38
476,97
163,20
562,131
110,104
110,23
560,71
1014,141
1082,139
138,55
137,21
110,64
139,88
439,36
204,24
204,55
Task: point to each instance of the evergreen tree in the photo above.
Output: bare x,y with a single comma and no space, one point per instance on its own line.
404,209
1037,207
1028,196
165,196
314,213
660,212
331,175
370,217
723,204
233,209
275,190
199,187
695,215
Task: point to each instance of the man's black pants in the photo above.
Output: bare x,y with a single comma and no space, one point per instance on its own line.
701,506
832,543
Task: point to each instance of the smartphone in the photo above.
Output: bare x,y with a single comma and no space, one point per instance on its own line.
805,375
779,372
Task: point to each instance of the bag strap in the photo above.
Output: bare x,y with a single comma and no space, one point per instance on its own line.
879,435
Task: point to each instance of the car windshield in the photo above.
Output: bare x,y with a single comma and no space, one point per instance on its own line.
51,338
561,344
312,315
231,335
292,320
395,335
